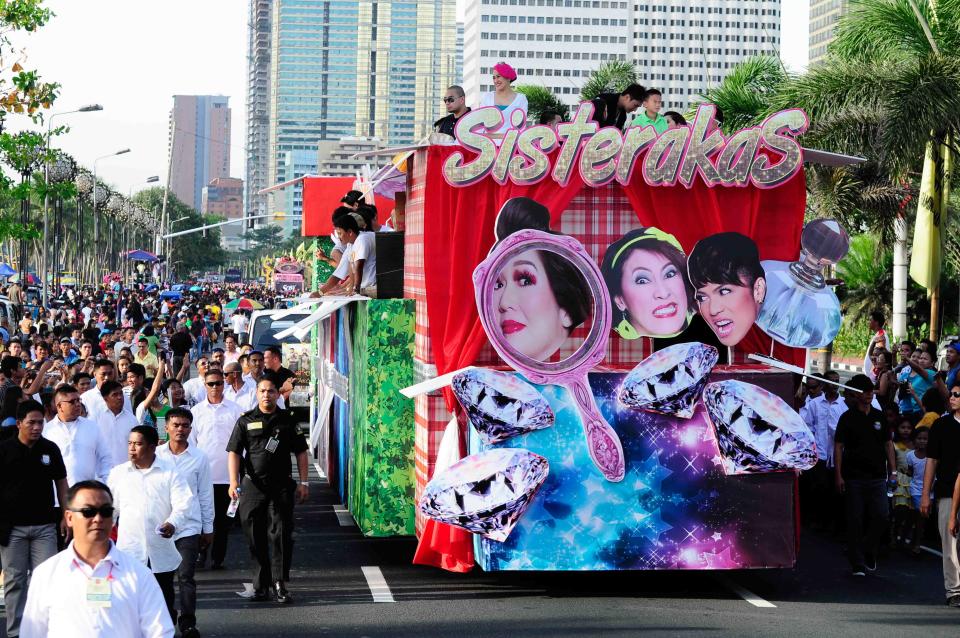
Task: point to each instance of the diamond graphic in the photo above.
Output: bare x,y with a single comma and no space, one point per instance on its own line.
756,430
670,380
485,493
500,405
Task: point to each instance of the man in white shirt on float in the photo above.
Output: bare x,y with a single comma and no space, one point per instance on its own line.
238,389
153,502
92,588
213,421
196,534
115,422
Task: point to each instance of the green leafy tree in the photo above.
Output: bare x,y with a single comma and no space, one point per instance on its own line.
614,76
540,100
745,95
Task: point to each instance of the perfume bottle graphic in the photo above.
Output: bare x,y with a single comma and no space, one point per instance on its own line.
799,309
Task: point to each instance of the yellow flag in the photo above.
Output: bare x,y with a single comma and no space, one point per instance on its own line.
931,214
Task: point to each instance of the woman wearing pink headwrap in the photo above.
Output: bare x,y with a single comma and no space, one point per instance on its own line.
504,97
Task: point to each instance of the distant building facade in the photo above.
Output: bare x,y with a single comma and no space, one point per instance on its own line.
336,158
824,15
200,139
223,196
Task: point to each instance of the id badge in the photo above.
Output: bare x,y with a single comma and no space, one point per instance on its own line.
98,593
272,444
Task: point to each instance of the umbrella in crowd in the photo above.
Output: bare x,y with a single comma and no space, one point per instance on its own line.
141,255
243,304
6,270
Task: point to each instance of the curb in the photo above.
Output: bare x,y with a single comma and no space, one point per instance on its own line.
841,367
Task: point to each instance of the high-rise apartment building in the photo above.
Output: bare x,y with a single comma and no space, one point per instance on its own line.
372,68
200,138
680,47
258,107
553,43
458,74
336,157
223,196
824,15
685,48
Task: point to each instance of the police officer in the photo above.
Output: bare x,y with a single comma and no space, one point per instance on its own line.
262,441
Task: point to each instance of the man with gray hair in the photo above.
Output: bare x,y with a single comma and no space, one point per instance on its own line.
456,102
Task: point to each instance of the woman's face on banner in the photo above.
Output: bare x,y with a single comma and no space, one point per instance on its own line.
654,294
529,317
730,309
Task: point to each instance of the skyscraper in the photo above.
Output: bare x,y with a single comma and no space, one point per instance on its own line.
258,105
824,15
223,196
684,48
200,138
553,43
680,47
370,68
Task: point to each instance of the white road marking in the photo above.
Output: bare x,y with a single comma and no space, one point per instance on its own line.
344,517
377,584
931,550
746,594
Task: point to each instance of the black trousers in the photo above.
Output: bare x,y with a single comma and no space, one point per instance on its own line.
221,523
267,518
867,511
165,580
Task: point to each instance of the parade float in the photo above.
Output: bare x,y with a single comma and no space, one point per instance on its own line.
588,308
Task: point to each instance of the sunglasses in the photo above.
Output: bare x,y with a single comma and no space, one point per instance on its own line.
449,100
71,401
105,511
955,395
213,384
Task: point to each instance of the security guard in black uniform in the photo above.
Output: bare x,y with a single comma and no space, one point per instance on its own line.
262,441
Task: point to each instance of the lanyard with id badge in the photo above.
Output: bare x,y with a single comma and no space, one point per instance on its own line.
99,594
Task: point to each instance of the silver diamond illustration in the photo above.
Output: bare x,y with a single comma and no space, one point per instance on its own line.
500,405
756,430
670,380
485,493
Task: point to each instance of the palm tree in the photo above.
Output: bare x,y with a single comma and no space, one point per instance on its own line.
540,99
746,94
615,75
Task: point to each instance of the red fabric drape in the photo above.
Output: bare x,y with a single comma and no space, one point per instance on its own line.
458,234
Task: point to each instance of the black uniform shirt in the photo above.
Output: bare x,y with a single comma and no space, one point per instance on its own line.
864,438
944,446
26,481
250,438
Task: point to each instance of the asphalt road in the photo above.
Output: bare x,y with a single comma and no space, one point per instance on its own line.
333,596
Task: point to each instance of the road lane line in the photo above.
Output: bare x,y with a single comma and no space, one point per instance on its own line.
377,584
746,594
931,550
343,516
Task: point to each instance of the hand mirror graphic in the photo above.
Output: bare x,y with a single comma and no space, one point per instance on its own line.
532,291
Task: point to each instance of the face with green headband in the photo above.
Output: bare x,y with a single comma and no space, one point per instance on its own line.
645,274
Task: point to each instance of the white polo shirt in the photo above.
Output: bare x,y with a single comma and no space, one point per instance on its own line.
85,453
115,431
57,599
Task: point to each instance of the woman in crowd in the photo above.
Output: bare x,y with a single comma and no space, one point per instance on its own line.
644,272
504,97
886,381
916,379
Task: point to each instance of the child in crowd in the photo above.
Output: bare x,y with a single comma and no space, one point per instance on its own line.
916,461
902,523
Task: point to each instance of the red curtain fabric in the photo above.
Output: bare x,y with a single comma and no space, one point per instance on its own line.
321,196
458,234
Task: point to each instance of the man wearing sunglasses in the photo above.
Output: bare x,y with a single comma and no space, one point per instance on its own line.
455,101
153,502
30,467
241,391
197,533
213,422
943,461
92,588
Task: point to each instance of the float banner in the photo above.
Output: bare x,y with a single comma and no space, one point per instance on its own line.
675,509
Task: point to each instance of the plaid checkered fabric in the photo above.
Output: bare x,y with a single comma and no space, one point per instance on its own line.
430,418
413,269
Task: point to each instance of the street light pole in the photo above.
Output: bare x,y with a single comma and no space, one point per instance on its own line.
46,197
96,216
